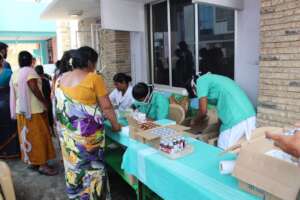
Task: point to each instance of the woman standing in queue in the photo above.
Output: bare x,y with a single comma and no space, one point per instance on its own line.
9,143
235,111
82,102
29,107
153,104
121,96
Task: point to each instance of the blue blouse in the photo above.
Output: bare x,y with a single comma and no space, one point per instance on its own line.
5,77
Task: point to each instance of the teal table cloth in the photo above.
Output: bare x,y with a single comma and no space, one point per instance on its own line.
194,177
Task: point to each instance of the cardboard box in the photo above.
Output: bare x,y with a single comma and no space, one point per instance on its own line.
256,191
263,175
209,129
145,136
257,134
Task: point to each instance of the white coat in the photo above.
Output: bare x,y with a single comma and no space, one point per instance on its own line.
120,101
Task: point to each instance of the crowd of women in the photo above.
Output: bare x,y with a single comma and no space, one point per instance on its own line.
80,103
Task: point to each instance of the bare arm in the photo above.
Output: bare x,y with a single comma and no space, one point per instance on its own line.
53,87
289,144
33,85
109,112
202,111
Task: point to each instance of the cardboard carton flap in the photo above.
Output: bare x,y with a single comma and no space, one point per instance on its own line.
148,136
256,135
273,175
178,128
260,133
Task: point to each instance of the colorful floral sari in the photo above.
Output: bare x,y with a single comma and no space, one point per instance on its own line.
81,132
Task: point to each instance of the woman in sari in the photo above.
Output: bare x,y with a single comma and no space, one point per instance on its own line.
28,106
81,103
9,144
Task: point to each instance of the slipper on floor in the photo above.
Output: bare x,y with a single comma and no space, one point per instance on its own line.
47,171
33,167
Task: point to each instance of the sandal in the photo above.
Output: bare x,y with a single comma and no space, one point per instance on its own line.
33,167
47,171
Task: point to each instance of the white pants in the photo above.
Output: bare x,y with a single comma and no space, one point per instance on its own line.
231,136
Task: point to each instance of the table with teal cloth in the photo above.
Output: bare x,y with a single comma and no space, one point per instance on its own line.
194,177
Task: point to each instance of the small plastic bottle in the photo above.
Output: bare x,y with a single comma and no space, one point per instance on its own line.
184,142
174,144
171,145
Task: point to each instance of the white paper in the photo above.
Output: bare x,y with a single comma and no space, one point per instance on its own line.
140,117
125,131
226,166
281,156
292,132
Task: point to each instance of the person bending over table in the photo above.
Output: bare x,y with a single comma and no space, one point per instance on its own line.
153,104
235,111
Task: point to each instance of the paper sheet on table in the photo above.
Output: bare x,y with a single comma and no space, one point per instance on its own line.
125,131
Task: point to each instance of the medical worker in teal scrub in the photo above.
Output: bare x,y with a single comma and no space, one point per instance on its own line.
153,104
235,111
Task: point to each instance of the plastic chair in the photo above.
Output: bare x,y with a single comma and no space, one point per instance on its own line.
6,182
177,113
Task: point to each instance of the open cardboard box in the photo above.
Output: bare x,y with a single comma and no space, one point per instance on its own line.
206,131
263,175
258,133
145,136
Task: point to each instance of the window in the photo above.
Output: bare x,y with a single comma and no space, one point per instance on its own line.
177,52
206,19
216,44
160,43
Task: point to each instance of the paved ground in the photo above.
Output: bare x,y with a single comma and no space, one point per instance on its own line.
30,185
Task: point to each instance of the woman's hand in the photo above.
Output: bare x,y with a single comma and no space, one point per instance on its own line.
116,127
202,112
289,144
109,112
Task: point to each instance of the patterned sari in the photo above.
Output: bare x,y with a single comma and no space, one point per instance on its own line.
81,132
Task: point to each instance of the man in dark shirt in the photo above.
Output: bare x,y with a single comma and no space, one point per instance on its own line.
3,52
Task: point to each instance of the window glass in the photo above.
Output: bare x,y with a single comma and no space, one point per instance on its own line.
182,41
216,40
160,43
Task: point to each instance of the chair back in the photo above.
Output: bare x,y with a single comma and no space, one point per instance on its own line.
176,113
6,182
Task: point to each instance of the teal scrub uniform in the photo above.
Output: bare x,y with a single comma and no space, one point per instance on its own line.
157,109
232,104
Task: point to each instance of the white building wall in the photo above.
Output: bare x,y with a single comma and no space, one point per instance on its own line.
247,48
123,15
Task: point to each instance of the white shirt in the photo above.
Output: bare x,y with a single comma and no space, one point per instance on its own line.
122,102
